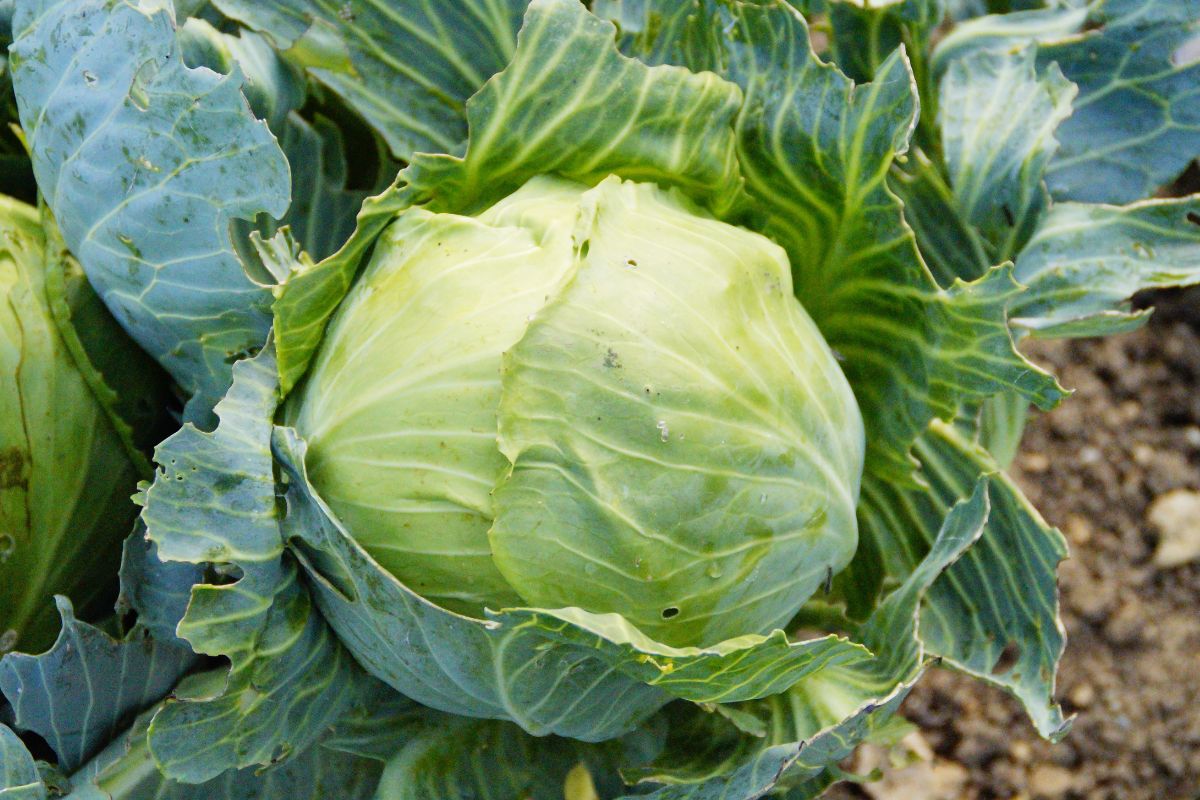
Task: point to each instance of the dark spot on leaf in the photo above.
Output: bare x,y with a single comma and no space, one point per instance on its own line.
225,483
13,471
668,613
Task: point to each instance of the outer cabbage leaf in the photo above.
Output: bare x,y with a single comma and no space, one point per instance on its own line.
125,769
213,501
1001,32
967,626
1085,261
951,246
87,688
321,215
1017,559
158,591
863,34
272,88
1135,125
1137,119
68,457
146,162
996,153
406,66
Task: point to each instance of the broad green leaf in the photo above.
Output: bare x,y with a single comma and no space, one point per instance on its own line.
816,150
951,246
321,216
1137,118
213,501
126,770
541,116
1134,127
272,88
19,777
745,668
989,600
88,687
1085,262
406,66
996,150
68,459
145,163
159,591
1004,32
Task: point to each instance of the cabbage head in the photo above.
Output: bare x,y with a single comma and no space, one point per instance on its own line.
68,457
600,398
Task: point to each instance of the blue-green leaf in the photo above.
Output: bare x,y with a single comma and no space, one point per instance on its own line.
1135,125
1006,32
159,591
989,599
1085,262
407,66
126,770
996,151
213,501
145,163
1137,119
87,688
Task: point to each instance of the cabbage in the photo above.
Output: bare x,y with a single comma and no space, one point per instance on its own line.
585,400
68,457
601,398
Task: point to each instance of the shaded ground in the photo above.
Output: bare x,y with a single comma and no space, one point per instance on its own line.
1131,672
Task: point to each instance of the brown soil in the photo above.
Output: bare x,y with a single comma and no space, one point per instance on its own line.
1131,671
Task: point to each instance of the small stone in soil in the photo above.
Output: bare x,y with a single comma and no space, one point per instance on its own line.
1176,516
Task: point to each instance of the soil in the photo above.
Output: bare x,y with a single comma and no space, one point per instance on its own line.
1131,670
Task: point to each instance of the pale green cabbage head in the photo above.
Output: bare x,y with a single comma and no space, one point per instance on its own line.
591,397
69,457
